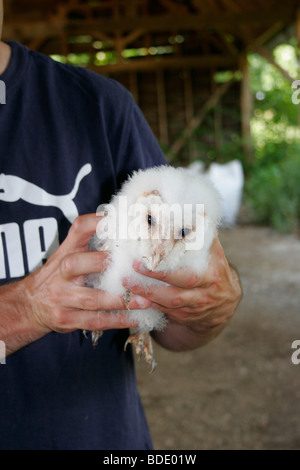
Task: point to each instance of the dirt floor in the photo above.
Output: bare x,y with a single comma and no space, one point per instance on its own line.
242,391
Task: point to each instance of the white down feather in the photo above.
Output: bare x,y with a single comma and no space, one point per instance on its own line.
154,187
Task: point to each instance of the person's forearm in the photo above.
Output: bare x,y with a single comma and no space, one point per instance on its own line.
194,334
178,337
16,327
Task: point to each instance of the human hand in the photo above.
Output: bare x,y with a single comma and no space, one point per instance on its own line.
198,306
56,296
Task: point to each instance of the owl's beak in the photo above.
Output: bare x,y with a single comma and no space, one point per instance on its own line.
156,258
158,254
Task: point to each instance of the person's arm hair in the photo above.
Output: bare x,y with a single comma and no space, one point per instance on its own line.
17,328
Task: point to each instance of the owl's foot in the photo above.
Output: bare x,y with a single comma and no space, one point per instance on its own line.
143,347
126,298
96,335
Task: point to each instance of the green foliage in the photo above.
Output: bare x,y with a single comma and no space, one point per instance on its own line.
273,193
275,118
272,190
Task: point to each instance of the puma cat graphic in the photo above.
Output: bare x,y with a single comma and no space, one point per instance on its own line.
13,188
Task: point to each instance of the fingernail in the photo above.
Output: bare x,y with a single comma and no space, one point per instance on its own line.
141,301
101,213
127,283
140,267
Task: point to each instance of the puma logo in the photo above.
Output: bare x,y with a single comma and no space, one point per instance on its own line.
13,188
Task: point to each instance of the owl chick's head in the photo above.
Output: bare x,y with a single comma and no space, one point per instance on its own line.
164,215
163,232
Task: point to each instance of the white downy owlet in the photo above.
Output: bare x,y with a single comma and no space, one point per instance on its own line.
166,218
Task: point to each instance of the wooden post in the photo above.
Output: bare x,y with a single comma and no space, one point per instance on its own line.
188,105
218,127
162,107
246,111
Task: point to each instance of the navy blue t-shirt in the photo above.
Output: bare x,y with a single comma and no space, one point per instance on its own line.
68,138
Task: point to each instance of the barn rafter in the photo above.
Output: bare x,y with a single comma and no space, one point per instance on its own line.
225,27
152,46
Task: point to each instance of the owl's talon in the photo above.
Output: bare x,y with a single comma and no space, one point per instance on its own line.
96,335
143,347
85,334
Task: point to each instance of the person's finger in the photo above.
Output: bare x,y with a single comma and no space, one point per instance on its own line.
92,321
187,278
171,296
180,278
88,298
81,232
108,321
82,263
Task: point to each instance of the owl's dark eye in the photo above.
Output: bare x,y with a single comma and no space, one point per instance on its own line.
151,221
184,232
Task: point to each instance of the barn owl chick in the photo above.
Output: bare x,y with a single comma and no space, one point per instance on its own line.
164,217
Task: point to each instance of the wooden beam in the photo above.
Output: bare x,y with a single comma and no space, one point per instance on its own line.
246,110
99,35
269,57
31,30
132,36
230,46
197,120
265,36
233,6
174,7
15,28
163,62
184,22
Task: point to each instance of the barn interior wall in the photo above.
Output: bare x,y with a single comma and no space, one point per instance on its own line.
184,93
175,89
